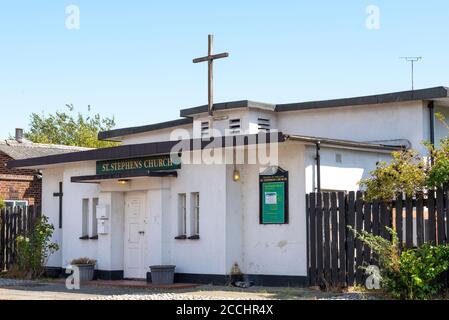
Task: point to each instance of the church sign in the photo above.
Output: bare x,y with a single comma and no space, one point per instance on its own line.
273,189
135,165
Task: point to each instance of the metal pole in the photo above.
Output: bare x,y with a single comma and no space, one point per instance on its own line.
318,167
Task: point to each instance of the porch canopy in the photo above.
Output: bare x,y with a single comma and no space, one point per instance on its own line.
149,149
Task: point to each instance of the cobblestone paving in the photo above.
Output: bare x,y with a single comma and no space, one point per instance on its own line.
30,290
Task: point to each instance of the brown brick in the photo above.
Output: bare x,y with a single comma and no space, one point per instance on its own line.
16,187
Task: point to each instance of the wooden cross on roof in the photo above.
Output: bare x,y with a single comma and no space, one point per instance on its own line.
210,60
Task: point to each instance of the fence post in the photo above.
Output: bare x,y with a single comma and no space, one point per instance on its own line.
350,221
312,244
327,238
358,243
319,236
334,238
342,237
2,238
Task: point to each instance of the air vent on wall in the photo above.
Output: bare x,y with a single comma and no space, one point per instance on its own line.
264,124
205,129
234,126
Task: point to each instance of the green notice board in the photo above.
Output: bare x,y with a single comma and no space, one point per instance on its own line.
274,198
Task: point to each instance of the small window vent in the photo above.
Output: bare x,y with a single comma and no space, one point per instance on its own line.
205,132
264,124
234,126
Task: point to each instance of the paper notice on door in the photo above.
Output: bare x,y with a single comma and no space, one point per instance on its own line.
271,198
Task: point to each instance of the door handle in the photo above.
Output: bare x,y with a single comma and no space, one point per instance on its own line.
141,232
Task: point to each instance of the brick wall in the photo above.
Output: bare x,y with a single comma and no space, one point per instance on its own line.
18,184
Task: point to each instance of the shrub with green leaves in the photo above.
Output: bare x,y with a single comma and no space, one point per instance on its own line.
411,274
34,250
438,173
405,174
2,203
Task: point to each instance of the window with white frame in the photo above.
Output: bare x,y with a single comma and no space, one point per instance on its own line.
85,219
16,203
94,232
195,214
182,215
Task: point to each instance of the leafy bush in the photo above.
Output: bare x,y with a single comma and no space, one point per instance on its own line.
34,250
2,203
405,174
412,274
438,174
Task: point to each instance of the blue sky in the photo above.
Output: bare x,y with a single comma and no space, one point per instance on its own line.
133,59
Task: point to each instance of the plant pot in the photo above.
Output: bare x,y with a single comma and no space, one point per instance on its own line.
162,274
86,271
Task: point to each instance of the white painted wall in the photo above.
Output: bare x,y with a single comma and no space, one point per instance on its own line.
207,253
50,207
153,136
73,247
344,176
275,249
388,121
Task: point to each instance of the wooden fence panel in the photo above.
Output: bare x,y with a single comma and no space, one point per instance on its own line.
342,237
312,233
14,222
327,237
319,237
358,243
2,238
367,226
399,220
431,221
334,256
420,220
350,220
440,217
334,238
409,222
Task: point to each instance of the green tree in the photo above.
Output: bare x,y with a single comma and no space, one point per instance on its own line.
70,128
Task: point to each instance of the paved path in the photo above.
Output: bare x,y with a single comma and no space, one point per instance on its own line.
20,290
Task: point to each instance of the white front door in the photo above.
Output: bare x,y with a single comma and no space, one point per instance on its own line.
135,228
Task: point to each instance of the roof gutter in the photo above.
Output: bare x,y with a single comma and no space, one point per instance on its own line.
345,144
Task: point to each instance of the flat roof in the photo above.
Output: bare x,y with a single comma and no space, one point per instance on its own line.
186,114
403,96
109,135
147,149
227,106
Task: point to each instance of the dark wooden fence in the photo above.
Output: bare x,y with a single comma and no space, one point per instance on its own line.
334,255
14,222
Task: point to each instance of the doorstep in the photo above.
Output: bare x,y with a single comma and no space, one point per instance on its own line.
138,284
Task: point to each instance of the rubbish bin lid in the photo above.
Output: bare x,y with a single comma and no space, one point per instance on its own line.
163,267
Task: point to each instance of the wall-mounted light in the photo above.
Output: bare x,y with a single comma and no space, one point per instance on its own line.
123,182
236,174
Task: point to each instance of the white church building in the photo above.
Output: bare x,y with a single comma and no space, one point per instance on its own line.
136,205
